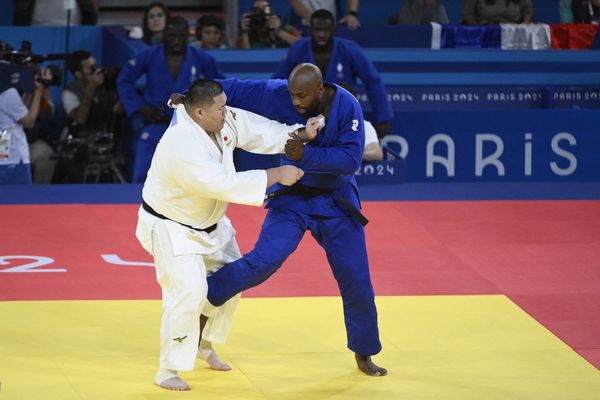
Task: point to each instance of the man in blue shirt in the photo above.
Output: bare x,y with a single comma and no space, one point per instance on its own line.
340,61
325,201
169,68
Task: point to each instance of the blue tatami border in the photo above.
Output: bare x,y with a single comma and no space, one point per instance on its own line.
131,193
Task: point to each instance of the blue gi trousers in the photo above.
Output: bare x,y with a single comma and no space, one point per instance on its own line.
144,150
343,240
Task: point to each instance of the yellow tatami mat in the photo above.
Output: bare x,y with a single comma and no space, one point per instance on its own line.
442,347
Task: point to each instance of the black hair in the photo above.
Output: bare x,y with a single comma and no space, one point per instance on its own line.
209,20
200,94
147,34
76,58
177,21
322,14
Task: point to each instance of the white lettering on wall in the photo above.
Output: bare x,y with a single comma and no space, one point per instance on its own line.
528,154
492,159
448,161
400,141
563,153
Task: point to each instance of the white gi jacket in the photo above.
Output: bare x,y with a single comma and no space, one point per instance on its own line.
191,182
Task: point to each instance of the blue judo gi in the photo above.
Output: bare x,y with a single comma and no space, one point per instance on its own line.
347,62
159,86
329,163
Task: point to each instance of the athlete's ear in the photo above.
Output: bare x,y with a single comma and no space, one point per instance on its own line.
199,112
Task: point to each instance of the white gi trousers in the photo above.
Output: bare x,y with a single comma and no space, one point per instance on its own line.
182,279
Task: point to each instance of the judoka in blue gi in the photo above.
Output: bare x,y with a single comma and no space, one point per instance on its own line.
340,61
168,68
325,202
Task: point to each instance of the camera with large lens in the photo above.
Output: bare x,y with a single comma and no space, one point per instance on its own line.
89,159
110,74
20,68
257,20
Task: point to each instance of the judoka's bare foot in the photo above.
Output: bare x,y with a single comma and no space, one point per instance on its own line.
168,379
368,367
214,362
208,354
174,383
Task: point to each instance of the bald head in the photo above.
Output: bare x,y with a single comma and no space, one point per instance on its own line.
306,73
305,85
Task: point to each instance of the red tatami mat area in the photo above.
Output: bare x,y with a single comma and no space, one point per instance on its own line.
544,255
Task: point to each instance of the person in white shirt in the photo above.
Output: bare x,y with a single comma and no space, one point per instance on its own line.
373,150
182,221
15,166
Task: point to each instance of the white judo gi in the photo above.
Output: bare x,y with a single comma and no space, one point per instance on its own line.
192,183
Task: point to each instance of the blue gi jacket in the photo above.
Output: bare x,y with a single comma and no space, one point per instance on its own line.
329,161
347,62
160,85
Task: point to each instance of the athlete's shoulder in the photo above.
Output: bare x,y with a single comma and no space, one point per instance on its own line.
301,43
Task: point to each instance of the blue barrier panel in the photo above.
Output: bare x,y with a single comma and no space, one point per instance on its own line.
117,47
46,40
393,36
447,98
386,172
6,16
451,67
439,191
498,146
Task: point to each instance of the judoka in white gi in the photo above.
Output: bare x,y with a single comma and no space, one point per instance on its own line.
182,221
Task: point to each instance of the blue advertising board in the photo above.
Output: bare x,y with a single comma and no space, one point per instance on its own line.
498,146
447,98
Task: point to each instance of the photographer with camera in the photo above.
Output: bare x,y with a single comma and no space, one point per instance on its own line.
95,113
41,136
261,29
78,96
15,166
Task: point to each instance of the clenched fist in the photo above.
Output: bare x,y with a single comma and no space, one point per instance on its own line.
294,148
286,175
313,125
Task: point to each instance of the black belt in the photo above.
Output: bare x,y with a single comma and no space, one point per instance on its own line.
307,191
150,210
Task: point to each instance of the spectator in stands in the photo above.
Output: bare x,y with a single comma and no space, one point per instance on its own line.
262,28
169,68
481,12
340,61
303,10
586,11
420,12
210,32
15,167
53,12
154,23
